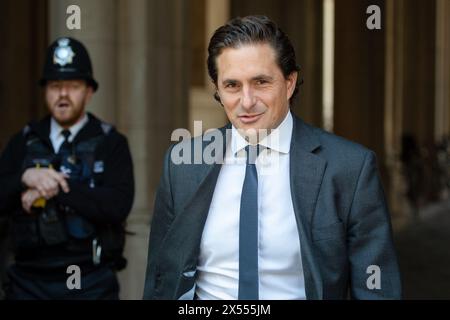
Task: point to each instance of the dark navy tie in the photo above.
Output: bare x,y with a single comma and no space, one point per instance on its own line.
66,146
248,231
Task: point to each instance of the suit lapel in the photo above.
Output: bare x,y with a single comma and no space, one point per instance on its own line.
191,220
306,172
189,224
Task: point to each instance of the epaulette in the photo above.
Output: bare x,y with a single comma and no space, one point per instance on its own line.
26,130
106,127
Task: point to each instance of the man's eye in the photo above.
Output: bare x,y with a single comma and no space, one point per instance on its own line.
261,81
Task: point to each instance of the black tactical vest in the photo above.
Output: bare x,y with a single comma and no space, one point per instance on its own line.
59,226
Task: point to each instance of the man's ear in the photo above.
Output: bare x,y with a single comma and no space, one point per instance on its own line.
217,96
89,94
291,83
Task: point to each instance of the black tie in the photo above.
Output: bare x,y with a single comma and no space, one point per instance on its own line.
66,146
248,230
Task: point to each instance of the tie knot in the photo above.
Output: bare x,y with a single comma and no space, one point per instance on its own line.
66,134
66,145
252,152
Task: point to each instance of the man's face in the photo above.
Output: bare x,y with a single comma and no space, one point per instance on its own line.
252,88
66,100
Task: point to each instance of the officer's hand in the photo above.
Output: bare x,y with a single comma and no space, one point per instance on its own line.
46,181
28,198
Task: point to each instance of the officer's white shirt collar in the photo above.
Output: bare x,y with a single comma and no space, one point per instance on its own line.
278,140
56,136
56,129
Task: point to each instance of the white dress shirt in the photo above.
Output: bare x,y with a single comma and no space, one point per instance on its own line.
279,258
56,136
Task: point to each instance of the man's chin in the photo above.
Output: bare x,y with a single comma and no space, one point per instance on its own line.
64,121
257,126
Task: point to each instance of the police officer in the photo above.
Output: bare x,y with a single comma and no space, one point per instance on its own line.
67,184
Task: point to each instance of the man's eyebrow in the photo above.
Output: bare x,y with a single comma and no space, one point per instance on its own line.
229,81
258,77
262,77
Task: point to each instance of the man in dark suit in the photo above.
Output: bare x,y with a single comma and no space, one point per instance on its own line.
285,210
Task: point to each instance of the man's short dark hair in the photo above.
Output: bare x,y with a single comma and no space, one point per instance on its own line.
252,30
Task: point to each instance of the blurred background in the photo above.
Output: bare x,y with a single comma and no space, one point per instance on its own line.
388,89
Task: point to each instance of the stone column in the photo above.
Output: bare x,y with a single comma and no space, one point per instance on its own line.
359,76
203,107
304,25
24,36
133,110
419,59
153,101
98,33
168,69
393,108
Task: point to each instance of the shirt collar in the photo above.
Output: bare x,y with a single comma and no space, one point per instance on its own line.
278,140
56,129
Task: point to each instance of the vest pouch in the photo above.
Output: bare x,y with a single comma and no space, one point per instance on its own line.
51,225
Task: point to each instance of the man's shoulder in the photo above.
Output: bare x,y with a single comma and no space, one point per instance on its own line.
98,123
17,141
35,125
336,148
334,141
212,141
106,128
205,138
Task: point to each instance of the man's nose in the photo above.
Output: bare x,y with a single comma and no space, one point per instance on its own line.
63,91
248,99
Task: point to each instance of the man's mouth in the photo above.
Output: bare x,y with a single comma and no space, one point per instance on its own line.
250,118
63,104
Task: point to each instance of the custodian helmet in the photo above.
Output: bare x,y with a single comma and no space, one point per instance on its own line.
68,59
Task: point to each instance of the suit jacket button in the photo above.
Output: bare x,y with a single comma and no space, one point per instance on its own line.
158,280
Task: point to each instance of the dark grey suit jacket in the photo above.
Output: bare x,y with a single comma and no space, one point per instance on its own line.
340,209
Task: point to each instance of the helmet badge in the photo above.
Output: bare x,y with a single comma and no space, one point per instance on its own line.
63,53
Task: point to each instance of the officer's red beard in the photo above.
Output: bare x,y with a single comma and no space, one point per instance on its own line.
67,113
